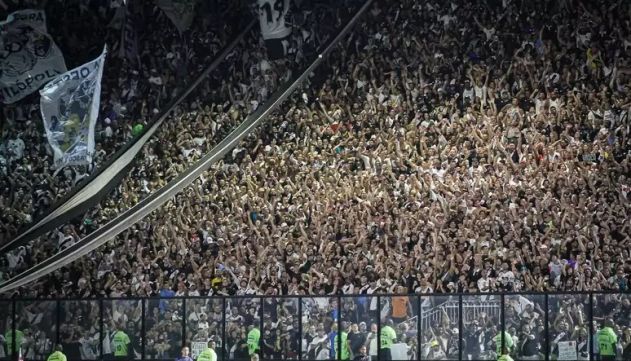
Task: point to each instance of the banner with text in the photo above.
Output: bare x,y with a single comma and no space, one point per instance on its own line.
70,107
129,40
567,350
275,23
28,55
181,12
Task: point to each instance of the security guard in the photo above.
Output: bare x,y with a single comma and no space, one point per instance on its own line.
209,353
58,355
254,336
388,336
503,348
121,343
607,340
346,349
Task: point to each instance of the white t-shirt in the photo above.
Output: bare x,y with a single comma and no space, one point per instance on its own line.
480,92
556,103
507,277
483,284
539,105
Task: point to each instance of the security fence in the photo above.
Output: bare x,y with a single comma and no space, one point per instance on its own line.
537,326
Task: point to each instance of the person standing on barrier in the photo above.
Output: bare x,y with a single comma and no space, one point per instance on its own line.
58,355
388,336
607,340
209,353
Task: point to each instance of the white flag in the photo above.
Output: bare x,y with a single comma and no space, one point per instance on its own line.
181,12
28,55
70,108
274,19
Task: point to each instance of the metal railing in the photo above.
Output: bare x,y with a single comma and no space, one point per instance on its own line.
541,326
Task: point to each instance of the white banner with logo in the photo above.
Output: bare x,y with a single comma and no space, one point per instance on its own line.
28,55
181,12
273,18
70,107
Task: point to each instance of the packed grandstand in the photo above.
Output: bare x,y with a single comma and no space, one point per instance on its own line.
443,154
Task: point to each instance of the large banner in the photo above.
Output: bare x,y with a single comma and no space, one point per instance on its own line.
129,40
275,25
70,107
181,12
28,55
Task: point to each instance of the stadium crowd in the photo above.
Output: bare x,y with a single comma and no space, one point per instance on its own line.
498,163
445,147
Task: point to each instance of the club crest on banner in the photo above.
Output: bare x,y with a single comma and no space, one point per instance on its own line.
74,107
28,55
70,107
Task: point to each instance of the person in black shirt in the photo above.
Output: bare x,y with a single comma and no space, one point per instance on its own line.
241,350
472,339
529,346
357,338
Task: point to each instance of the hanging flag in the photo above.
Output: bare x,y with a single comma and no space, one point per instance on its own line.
274,19
129,40
70,107
118,18
181,12
28,55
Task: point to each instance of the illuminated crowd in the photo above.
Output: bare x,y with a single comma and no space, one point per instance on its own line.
434,151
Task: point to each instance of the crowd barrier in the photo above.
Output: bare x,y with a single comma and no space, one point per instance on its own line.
433,326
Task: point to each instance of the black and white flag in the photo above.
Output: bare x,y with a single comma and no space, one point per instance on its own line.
28,55
274,19
70,108
129,40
